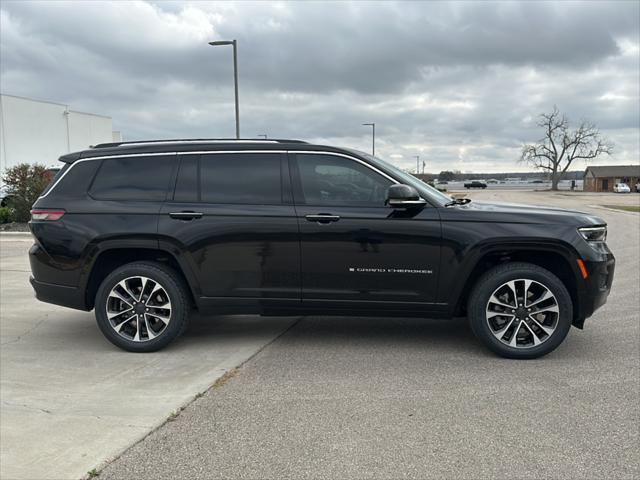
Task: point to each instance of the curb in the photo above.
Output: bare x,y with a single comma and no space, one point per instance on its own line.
8,235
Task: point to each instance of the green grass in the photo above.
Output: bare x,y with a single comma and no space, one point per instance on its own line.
626,208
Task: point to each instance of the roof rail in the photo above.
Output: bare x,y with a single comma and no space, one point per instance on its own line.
194,140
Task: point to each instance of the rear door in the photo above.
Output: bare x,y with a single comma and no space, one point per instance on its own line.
232,215
356,251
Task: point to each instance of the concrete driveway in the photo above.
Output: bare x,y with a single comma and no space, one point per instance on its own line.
411,398
71,400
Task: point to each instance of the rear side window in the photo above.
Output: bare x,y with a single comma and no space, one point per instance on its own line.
241,178
133,178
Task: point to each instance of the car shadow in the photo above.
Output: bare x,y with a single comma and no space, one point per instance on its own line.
451,335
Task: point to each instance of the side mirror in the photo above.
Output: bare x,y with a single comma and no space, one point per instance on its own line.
403,196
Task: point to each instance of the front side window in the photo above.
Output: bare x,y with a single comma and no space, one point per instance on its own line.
133,178
241,178
333,180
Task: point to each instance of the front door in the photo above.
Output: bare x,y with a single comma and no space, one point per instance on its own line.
355,251
605,185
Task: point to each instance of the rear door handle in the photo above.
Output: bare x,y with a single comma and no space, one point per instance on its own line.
185,215
322,218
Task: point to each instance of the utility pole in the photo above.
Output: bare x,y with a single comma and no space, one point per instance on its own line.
234,43
417,164
373,139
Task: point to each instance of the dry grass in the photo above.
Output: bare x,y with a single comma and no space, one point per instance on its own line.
626,208
226,377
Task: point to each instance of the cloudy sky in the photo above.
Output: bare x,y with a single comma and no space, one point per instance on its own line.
459,84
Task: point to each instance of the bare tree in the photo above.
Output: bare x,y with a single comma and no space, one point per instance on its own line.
560,146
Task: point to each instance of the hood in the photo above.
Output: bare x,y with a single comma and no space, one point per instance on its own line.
520,213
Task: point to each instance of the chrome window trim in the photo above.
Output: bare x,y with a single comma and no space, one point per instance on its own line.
215,152
82,160
151,154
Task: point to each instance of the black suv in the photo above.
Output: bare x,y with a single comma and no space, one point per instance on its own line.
145,231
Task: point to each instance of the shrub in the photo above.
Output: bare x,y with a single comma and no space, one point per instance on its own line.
5,215
25,183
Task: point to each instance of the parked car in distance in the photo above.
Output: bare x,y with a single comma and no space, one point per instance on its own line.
144,232
442,182
4,196
638,187
621,188
475,184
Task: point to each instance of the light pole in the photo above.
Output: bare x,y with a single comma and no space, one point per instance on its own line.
235,76
373,140
417,164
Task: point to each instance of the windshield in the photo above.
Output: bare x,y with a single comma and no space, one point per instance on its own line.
408,179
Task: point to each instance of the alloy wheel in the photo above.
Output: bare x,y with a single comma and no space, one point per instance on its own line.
138,308
522,313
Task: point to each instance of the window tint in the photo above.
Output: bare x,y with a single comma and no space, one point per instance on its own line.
133,178
332,180
187,182
74,180
249,178
55,174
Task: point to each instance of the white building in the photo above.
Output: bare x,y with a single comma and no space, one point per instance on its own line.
33,131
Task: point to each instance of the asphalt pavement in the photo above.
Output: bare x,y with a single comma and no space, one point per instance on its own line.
413,398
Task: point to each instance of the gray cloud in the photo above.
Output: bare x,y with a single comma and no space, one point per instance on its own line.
459,83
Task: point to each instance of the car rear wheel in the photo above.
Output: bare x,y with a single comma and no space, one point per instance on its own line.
142,307
520,310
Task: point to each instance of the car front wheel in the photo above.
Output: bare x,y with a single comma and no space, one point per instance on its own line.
142,307
520,310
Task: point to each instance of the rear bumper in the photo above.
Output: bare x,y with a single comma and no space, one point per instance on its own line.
62,295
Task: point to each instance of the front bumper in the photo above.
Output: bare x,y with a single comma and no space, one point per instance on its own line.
596,287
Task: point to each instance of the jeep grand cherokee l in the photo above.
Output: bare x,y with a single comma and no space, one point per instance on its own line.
143,232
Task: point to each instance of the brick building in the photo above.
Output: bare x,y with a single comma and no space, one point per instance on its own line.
602,179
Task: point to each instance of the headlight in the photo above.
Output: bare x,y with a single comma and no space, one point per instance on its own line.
594,234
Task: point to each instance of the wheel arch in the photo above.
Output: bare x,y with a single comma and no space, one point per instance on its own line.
558,259
111,255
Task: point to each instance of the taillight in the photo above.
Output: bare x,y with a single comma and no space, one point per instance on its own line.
46,215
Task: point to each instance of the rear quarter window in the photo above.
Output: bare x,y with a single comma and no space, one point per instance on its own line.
55,178
133,178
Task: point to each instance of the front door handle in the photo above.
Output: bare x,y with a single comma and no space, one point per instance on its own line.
322,218
185,215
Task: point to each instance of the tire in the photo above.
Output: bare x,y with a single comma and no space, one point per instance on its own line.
162,316
536,334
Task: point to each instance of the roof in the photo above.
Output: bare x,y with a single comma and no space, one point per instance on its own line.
190,145
608,171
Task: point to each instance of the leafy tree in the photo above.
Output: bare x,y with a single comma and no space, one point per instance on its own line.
560,146
25,183
6,214
446,176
